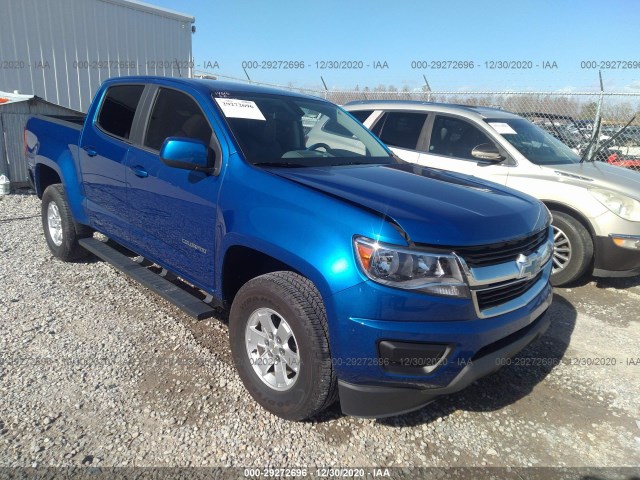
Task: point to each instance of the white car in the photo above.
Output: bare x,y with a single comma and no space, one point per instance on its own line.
595,206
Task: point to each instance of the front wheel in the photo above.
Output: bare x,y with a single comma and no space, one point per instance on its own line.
280,345
573,249
60,231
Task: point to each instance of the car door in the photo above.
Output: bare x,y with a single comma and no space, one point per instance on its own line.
402,132
450,143
172,211
103,151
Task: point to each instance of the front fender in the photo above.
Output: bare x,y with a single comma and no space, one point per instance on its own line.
330,272
308,230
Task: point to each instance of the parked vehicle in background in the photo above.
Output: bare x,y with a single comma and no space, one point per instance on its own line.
348,271
595,206
618,159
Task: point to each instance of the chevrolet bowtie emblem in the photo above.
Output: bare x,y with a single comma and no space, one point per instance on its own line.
528,266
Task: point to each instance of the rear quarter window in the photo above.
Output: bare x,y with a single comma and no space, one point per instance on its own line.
400,129
118,109
361,115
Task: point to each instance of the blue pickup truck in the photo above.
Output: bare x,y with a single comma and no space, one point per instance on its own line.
347,272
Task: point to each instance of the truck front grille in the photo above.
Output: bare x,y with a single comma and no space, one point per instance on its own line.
493,254
499,294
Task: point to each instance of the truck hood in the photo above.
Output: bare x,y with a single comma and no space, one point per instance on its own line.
600,175
432,206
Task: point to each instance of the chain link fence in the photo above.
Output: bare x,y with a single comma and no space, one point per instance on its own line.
568,116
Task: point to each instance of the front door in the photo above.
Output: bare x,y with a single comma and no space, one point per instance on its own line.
172,211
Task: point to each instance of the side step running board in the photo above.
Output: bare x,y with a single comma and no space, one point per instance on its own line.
191,305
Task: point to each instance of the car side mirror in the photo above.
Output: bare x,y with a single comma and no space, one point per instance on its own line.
186,153
487,152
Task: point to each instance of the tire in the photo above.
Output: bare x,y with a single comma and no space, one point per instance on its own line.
263,304
573,249
60,230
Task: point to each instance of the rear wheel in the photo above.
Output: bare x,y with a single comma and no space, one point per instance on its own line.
573,249
60,231
280,345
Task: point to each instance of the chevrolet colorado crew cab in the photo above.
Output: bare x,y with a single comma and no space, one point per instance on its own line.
348,272
595,206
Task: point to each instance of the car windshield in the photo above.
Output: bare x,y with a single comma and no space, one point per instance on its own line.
533,142
289,131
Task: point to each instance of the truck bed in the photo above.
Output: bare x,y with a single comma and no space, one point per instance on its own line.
56,139
74,121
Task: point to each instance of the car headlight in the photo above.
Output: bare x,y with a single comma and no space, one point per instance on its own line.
394,266
623,206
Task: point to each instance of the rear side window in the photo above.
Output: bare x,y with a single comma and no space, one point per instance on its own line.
362,115
401,129
119,108
176,114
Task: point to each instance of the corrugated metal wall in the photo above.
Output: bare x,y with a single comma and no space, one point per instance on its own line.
4,168
61,50
13,118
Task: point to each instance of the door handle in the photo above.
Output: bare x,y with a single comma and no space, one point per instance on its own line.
139,171
90,151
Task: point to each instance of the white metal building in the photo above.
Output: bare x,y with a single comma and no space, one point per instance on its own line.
61,50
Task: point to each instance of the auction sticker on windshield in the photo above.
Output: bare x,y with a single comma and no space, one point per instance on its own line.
503,128
234,108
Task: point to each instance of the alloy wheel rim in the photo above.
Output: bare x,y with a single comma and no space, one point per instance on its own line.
272,349
561,250
54,222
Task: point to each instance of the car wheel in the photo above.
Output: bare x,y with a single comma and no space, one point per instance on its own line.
280,345
61,232
573,249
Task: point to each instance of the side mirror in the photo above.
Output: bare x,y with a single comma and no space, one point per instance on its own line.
186,153
487,152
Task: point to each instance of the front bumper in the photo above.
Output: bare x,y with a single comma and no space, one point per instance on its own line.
614,261
369,314
380,401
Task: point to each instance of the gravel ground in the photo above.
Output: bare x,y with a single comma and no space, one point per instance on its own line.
96,370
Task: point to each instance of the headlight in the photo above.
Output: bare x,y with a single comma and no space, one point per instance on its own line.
431,272
623,206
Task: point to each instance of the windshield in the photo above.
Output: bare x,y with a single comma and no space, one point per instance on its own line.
287,131
538,146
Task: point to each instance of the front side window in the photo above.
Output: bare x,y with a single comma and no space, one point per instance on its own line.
119,108
290,131
453,137
175,114
401,129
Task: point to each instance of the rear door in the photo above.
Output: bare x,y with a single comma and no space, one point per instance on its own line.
172,212
450,143
403,132
103,151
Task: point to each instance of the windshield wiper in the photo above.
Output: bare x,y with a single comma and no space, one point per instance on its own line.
592,147
614,137
589,154
355,162
280,164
